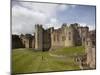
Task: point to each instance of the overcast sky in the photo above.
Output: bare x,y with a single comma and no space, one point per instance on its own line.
26,14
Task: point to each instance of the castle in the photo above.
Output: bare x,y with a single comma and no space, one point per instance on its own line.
45,39
66,36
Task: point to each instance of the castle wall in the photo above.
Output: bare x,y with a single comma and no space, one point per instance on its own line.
27,40
90,50
66,36
33,42
58,38
69,35
83,31
46,39
16,42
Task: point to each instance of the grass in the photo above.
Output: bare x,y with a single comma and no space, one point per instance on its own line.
69,50
29,60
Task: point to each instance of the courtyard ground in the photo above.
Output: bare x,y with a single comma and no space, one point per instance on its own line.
28,60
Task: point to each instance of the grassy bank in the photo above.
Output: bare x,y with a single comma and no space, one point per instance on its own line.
28,60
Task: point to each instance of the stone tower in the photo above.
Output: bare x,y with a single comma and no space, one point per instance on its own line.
83,31
72,35
69,34
38,37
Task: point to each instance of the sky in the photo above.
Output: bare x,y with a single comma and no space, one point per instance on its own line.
26,14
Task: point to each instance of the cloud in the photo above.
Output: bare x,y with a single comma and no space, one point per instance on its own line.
47,9
65,7
91,27
27,14
73,6
54,22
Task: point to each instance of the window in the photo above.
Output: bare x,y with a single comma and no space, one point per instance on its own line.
83,39
69,35
93,42
54,38
63,38
69,38
57,38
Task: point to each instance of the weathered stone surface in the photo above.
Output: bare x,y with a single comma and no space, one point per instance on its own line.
90,49
27,40
66,36
16,42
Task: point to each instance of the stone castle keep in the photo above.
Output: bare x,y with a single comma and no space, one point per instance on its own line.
66,36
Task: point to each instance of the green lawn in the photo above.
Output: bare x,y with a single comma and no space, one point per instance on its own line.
28,60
